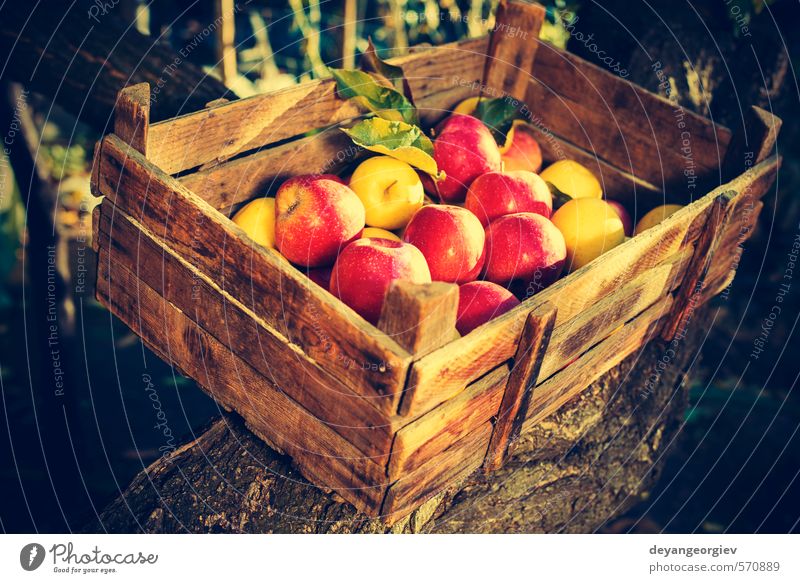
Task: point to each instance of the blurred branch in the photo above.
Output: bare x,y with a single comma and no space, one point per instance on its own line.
349,35
311,36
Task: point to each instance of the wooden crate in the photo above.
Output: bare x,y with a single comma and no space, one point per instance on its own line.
388,415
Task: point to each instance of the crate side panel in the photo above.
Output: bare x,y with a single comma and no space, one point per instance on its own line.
327,331
219,133
426,437
445,372
244,334
324,457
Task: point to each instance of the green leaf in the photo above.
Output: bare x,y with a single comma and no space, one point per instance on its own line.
365,90
559,198
388,74
397,139
498,115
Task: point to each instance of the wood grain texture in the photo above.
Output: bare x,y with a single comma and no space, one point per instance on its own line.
533,344
751,143
130,245
327,331
513,43
445,372
420,317
132,116
426,437
617,184
451,466
701,261
220,133
631,128
560,388
324,457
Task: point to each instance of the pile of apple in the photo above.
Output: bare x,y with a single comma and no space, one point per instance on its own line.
494,232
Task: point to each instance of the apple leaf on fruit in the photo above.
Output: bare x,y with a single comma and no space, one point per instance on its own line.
369,94
559,198
498,115
397,139
387,73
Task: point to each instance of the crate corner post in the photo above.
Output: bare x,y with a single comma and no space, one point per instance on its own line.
132,116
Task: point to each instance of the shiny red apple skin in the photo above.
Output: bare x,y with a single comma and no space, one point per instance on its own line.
525,251
496,194
624,216
363,271
315,219
481,301
524,153
452,240
464,150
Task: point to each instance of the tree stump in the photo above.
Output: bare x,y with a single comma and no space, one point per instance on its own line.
580,467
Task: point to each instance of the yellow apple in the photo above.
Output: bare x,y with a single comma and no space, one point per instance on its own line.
468,106
590,227
377,233
257,218
390,189
655,216
572,179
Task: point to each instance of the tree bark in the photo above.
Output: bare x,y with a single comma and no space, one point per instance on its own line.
81,59
582,466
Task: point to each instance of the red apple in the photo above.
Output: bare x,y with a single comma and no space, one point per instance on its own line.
524,249
496,194
464,150
315,219
624,216
363,271
481,301
451,238
523,153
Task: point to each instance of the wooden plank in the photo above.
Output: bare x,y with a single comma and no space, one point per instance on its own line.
573,338
443,373
617,184
218,134
513,43
426,437
702,258
333,335
557,390
650,134
523,378
132,116
447,469
131,246
420,317
751,143
226,184
325,458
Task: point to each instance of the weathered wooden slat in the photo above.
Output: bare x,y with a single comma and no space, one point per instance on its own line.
222,132
630,127
701,261
512,48
420,317
524,375
357,353
617,184
132,116
448,468
131,246
557,390
325,458
751,143
426,437
573,338
445,372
